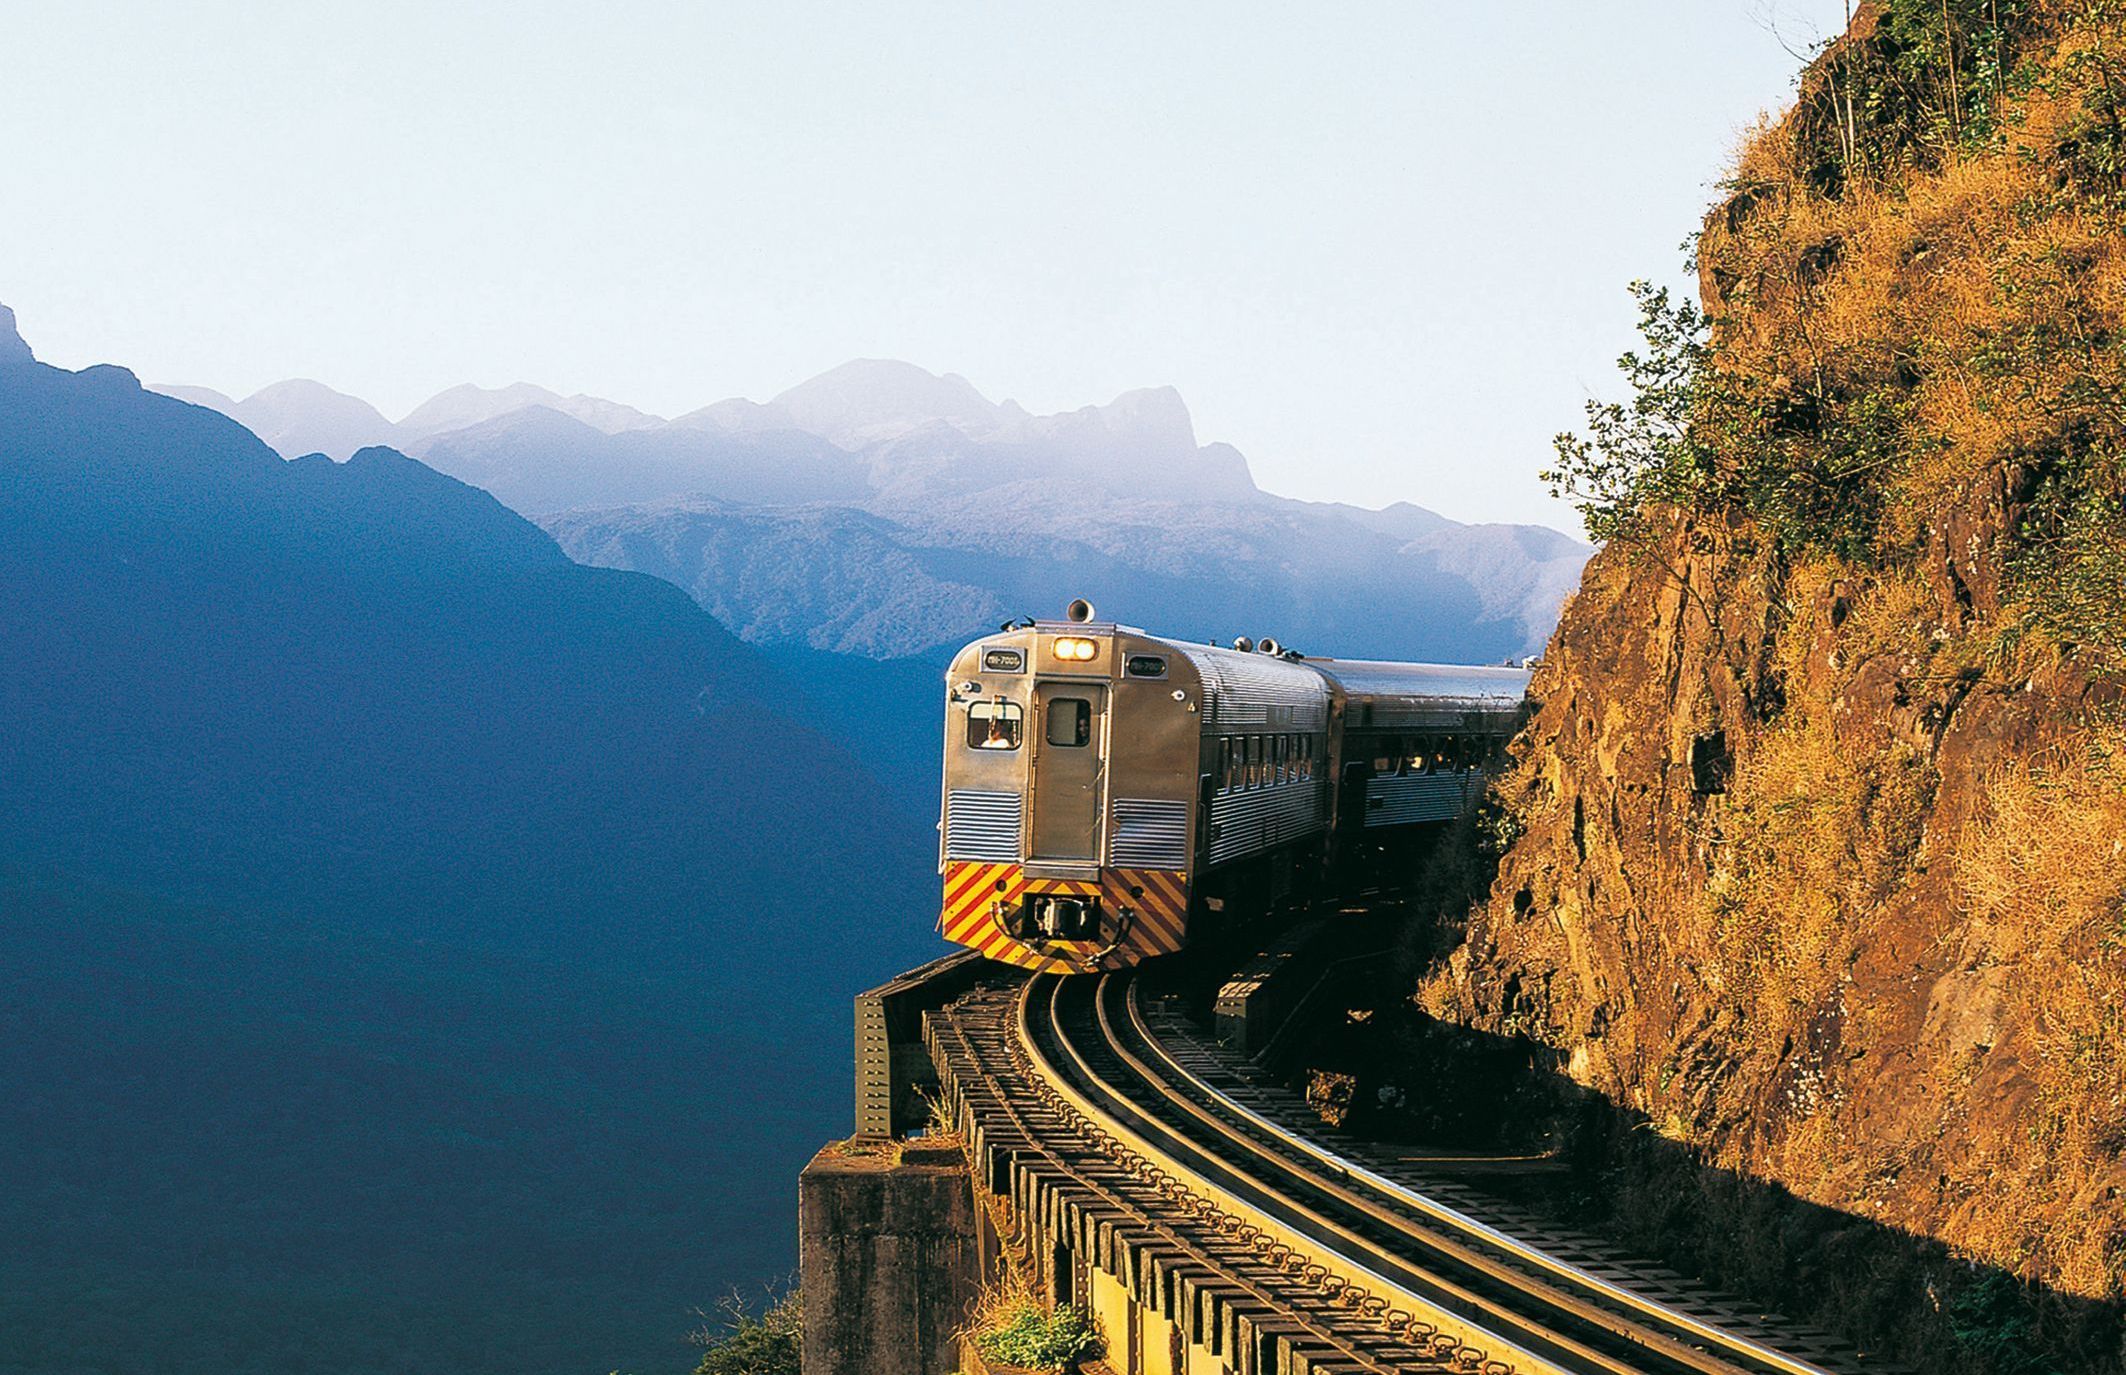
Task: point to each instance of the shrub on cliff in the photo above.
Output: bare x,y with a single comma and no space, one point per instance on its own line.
1020,1332
769,1343
1914,288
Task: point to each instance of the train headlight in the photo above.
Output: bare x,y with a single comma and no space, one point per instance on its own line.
1075,650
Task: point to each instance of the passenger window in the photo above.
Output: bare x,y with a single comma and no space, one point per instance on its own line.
995,725
1386,757
1449,756
1070,722
1254,761
1225,763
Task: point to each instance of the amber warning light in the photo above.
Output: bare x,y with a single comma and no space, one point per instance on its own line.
1073,649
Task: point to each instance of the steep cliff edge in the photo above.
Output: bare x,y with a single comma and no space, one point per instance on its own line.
1820,829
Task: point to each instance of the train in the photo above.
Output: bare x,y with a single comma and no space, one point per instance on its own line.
1111,796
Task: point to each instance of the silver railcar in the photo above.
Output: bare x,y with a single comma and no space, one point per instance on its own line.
1107,792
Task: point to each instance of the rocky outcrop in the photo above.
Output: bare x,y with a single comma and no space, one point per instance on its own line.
1819,872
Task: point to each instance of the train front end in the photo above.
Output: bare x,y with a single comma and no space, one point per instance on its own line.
1071,756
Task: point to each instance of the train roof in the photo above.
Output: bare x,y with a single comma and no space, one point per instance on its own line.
1245,689
1469,686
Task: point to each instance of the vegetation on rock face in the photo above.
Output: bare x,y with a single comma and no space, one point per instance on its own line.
1822,868
768,1343
1014,1329
1915,288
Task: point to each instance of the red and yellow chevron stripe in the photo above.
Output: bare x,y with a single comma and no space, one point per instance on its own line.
1157,899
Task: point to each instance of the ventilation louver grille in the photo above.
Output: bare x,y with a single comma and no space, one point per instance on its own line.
982,826
1150,834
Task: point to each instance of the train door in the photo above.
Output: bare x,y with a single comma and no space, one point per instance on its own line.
1069,744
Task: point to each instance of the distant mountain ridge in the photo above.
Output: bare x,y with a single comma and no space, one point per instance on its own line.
466,405
299,417
959,511
895,415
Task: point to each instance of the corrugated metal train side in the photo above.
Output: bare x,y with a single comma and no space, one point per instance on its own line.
1108,794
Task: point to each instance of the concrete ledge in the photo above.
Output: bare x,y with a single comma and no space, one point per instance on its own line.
887,1255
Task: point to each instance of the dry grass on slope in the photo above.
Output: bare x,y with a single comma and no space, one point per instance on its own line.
2041,873
1866,524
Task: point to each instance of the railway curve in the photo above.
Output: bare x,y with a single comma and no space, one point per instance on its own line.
1122,1135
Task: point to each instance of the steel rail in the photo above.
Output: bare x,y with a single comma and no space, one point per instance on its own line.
1757,1355
1340,1238
1278,1231
1293,1188
1525,1345
1322,1335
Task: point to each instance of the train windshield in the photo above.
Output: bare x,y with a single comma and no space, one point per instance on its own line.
995,725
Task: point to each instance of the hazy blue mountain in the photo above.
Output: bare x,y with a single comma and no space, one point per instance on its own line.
1521,574
883,511
539,460
299,417
425,952
198,396
893,584
978,511
872,399
467,405
1402,519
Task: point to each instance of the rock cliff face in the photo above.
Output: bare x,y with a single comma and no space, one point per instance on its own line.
1820,868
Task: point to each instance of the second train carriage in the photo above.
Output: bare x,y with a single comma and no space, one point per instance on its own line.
1106,791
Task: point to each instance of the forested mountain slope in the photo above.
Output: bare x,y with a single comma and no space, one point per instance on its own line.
432,950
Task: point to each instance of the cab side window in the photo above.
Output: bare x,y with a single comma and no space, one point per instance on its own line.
995,725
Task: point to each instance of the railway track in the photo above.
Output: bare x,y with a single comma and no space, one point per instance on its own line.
1336,1262
1221,1281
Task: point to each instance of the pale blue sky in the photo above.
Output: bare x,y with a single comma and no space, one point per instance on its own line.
1380,247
